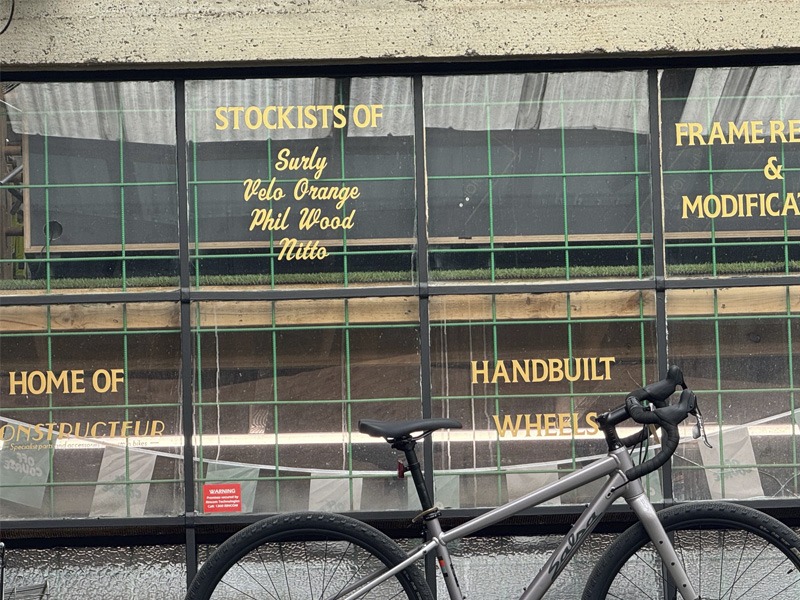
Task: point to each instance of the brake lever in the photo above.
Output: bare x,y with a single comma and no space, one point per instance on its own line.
699,428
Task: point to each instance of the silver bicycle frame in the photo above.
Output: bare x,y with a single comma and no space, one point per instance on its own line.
612,466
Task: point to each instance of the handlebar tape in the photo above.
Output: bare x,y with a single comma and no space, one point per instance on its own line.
669,444
668,418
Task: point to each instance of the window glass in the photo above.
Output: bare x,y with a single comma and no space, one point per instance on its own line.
90,416
301,181
89,194
281,387
730,160
738,350
542,175
527,376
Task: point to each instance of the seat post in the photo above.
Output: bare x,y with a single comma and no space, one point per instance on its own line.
407,444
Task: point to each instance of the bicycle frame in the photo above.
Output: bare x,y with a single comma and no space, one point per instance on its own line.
612,466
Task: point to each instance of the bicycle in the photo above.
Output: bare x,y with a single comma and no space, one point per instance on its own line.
698,550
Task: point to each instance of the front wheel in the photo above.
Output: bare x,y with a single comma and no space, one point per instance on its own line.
304,556
729,552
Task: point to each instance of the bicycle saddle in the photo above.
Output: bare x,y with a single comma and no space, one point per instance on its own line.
393,430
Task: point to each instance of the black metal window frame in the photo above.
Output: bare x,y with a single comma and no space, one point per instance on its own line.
191,528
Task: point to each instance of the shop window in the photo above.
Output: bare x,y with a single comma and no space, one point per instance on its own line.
730,160
301,193
89,196
535,176
279,398
90,416
739,345
302,181
527,376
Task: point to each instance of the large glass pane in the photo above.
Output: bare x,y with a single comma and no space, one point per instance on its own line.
281,387
88,197
731,170
90,411
738,348
538,175
301,181
527,376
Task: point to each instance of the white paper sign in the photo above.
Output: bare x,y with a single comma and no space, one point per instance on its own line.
739,482
245,476
112,496
520,484
333,495
22,475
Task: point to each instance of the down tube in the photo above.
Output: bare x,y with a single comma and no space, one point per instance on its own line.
613,489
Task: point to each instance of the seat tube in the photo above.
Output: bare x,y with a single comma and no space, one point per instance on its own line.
430,517
443,558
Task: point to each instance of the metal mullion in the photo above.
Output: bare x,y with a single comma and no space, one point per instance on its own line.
423,274
609,285
341,180
657,180
307,293
124,268
348,404
564,183
195,225
637,182
186,347
733,282
792,393
126,399
89,298
659,253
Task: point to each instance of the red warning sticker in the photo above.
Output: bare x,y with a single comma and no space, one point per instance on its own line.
222,497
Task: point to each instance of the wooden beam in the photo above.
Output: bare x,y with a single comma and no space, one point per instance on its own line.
557,305
402,310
